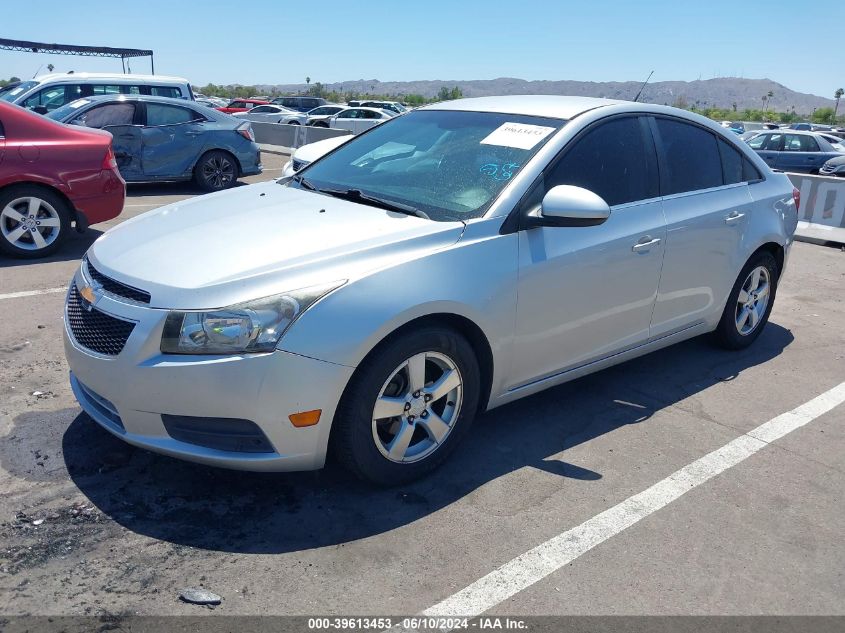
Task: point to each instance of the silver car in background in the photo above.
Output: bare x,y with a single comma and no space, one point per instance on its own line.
444,263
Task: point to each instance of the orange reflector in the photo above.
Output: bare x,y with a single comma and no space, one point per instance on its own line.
306,418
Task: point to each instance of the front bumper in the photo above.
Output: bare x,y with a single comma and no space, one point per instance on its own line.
127,394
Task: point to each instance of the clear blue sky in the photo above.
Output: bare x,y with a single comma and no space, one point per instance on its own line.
265,41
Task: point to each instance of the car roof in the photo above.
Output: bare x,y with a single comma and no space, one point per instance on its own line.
159,78
147,98
554,106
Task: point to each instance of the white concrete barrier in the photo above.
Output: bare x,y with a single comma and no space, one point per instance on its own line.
822,214
292,136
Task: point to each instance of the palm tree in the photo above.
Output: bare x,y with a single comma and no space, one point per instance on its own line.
837,95
308,80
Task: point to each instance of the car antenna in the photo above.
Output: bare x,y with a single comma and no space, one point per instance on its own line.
637,98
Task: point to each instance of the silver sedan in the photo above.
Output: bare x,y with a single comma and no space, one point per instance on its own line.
272,114
447,262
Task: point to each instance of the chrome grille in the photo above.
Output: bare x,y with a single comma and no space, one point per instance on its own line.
96,330
115,287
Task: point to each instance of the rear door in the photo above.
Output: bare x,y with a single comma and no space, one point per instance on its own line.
704,183
348,120
370,119
172,140
801,153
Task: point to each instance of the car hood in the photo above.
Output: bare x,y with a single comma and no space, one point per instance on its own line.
836,162
257,240
312,151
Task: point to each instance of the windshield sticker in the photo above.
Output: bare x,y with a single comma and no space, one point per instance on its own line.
16,91
78,103
499,172
518,135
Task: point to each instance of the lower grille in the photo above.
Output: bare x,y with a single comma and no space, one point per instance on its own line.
222,434
96,330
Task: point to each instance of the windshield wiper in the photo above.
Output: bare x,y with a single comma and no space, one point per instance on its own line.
305,184
356,195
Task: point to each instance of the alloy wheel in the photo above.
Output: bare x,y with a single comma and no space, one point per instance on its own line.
30,223
417,407
218,172
752,301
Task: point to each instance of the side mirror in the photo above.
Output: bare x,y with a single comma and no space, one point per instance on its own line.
40,109
566,205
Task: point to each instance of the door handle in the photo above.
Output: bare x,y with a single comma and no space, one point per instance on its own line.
734,217
645,246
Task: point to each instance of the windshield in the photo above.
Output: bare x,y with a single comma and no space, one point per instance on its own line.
11,93
449,165
61,113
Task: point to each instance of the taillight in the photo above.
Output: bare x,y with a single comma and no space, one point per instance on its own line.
796,198
109,162
245,130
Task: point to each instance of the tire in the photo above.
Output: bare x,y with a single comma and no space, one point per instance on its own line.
736,331
34,221
294,122
215,171
320,124
363,444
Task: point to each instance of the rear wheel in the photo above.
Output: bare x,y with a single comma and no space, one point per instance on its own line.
749,303
407,408
320,124
216,170
33,221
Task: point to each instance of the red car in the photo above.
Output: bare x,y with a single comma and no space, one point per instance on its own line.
242,105
52,176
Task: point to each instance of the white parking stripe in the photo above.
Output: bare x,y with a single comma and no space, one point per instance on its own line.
534,565
32,293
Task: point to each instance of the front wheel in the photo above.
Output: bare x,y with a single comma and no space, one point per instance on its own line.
407,407
749,303
216,170
293,122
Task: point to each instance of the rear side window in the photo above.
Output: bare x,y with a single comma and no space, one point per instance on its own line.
611,160
161,114
2,131
165,91
105,90
691,157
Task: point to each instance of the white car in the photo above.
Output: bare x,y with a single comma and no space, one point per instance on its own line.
273,114
307,154
318,117
357,120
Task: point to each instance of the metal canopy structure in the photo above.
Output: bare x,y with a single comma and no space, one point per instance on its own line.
71,49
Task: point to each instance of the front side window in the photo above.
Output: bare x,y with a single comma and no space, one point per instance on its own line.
51,98
450,165
161,114
264,109
691,158
611,160
108,114
348,114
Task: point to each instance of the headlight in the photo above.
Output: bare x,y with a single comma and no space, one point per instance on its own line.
252,327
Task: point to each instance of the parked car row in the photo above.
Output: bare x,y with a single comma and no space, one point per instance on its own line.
798,151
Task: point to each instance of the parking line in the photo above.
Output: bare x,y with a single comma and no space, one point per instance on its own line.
537,563
32,293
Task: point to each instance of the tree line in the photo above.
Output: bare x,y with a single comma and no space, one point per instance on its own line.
335,96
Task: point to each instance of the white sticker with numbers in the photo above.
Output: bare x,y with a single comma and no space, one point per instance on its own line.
518,135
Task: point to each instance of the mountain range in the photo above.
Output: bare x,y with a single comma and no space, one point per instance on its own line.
721,92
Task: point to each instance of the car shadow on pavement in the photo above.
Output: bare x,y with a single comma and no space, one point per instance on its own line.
215,509
73,248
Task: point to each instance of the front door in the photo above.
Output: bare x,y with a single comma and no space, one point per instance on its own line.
588,292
